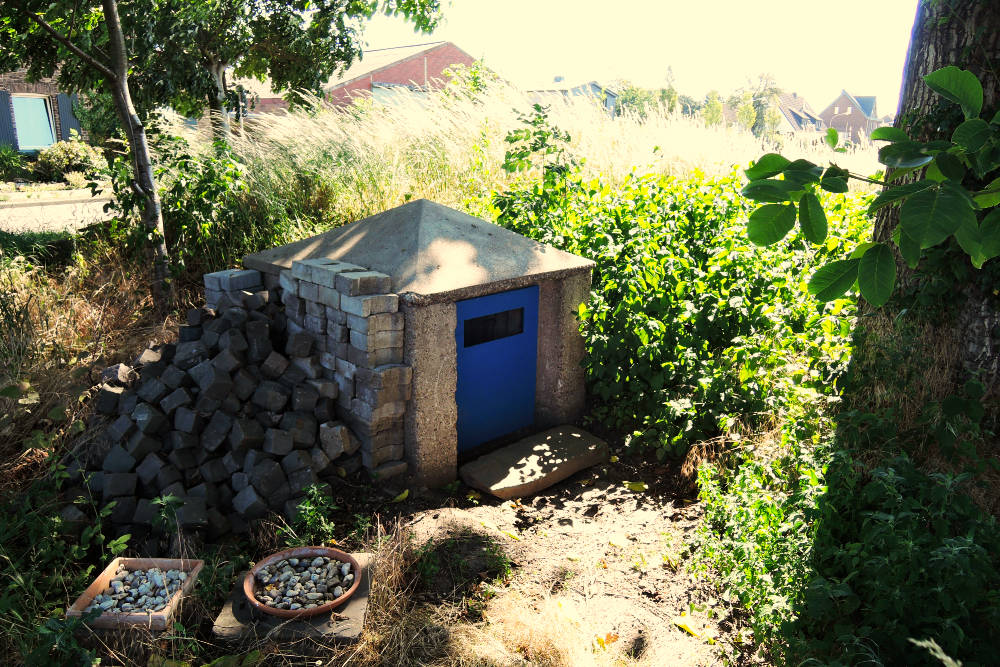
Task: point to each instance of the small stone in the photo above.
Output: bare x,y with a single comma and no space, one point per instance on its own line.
119,429
148,419
278,442
175,399
108,398
120,374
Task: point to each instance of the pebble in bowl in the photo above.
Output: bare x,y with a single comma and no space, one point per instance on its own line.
305,581
137,590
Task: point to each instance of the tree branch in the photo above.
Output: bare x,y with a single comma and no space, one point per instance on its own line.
80,53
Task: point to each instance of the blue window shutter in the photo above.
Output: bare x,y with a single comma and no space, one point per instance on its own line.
67,121
7,135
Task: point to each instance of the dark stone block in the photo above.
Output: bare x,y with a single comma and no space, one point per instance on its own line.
240,480
292,377
124,509
119,484
139,445
216,431
300,479
236,315
246,434
184,458
325,410
190,355
175,489
248,504
267,477
175,399
195,316
118,460
210,340
214,470
144,513
188,421
108,398
119,429
212,382
188,334
127,403
148,419
299,344
174,377
218,524
302,426
152,371
120,374
296,460
205,490
206,406
234,341
244,384
227,361
274,365
193,513
233,462
270,396
231,404
167,475
277,442
304,398
258,340
149,469
181,440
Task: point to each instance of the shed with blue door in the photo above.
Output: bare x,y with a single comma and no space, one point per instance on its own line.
491,330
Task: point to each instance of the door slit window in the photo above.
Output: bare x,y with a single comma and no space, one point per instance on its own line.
488,328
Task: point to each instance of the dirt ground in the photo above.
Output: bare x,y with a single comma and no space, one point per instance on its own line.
599,574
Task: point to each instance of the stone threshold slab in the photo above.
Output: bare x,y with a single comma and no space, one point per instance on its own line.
535,463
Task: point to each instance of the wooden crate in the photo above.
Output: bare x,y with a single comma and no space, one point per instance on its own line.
157,620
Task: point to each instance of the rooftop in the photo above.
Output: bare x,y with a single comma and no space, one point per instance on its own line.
430,251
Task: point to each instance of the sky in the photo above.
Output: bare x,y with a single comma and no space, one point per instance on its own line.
813,49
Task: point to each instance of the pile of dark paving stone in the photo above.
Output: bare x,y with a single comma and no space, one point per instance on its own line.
222,420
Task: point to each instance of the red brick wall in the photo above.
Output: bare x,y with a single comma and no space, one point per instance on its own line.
15,82
412,70
854,125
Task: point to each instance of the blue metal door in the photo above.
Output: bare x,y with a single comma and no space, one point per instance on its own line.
497,339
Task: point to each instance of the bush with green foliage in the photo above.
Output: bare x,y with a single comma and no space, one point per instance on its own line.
690,332
12,163
74,155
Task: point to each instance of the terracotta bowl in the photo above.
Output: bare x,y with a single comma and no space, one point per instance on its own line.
250,582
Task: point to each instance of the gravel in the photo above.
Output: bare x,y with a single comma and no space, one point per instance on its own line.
138,591
303,583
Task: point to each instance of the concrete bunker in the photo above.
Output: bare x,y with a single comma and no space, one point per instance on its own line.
489,332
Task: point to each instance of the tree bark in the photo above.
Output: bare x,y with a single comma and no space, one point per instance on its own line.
217,102
940,354
145,183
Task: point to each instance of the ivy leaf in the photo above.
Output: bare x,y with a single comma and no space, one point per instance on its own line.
889,134
769,190
812,218
959,86
972,134
930,216
831,137
832,280
877,274
770,223
891,195
903,154
768,165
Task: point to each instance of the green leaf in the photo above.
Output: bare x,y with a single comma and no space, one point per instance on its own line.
402,496
934,174
769,190
930,216
909,248
959,86
877,274
834,179
903,154
950,166
831,137
832,280
636,486
989,196
981,241
860,251
891,195
10,391
767,166
972,134
812,218
888,134
770,223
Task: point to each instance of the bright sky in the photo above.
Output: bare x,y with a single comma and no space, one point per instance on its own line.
812,49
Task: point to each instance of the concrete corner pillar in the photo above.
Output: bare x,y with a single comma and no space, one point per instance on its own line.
560,393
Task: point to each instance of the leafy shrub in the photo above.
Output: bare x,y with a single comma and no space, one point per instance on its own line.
62,157
75,179
12,163
689,332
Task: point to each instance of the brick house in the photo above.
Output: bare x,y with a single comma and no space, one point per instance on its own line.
796,115
560,90
33,115
378,74
853,117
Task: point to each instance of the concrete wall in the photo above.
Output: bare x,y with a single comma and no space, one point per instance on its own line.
431,420
560,393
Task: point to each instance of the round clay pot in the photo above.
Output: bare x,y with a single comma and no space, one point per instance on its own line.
250,582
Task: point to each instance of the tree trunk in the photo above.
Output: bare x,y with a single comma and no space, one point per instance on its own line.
217,102
907,354
144,184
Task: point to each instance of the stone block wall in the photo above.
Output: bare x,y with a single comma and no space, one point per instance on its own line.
277,385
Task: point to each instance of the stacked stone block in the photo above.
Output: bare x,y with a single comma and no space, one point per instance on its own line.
344,324
224,419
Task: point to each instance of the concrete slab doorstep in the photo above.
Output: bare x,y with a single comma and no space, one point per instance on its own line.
238,620
534,463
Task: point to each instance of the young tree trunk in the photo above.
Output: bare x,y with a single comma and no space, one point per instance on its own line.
939,354
144,184
217,102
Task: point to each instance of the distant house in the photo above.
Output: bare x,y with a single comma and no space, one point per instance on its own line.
796,115
606,97
854,117
378,74
33,116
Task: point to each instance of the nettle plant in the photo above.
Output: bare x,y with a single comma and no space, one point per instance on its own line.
932,209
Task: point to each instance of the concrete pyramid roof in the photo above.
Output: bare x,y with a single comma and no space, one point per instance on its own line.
430,250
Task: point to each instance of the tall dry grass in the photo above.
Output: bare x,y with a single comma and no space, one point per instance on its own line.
340,165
